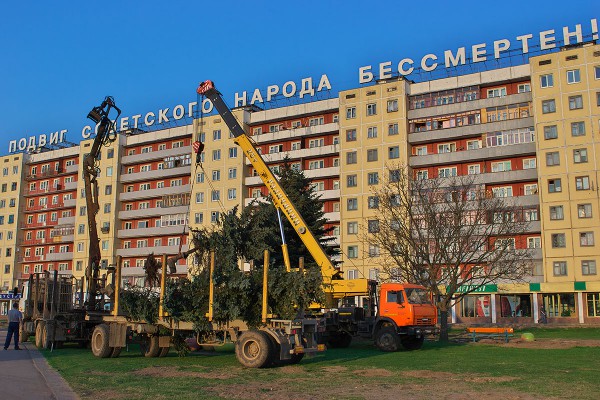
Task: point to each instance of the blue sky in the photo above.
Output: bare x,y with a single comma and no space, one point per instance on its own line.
60,58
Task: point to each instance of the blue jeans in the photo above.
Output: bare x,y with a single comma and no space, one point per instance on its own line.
13,329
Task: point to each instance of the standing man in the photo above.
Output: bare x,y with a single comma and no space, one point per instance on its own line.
14,320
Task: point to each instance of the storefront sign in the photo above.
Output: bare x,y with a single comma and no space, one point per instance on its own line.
477,288
10,296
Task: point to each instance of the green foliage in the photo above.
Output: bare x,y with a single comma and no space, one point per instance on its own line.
140,303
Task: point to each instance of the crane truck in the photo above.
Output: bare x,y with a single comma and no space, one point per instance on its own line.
400,316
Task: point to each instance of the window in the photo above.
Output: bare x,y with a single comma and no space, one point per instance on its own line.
215,195
374,250
505,191
473,144
371,155
200,177
372,132
597,72
232,173
231,194
352,204
586,239
588,267
580,156
392,105
554,185
558,240
474,169
373,202
316,121
373,225
350,135
556,212
529,163
352,228
350,112
352,251
421,151
145,186
534,242
198,218
351,181
575,102
232,152
524,88
351,157
446,147
257,131
530,189
573,76
394,152
278,148
446,172
550,132
217,134
548,106
107,208
578,128
216,155
316,143
316,164
582,183
584,210
216,175
546,81
372,109
497,92
552,158
393,129
200,197
501,166
373,178
559,268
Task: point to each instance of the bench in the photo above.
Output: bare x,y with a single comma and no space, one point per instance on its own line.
490,333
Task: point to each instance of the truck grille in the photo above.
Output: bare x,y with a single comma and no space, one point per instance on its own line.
424,321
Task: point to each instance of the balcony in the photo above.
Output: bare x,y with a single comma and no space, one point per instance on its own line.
461,107
155,231
296,133
333,216
309,173
71,185
447,134
72,169
63,238
156,174
70,203
66,221
155,155
152,212
139,271
464,156
38,225
144,251
153,193
321,151
59,256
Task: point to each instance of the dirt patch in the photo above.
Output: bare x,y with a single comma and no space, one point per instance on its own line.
110,395
291,369
545,343
449,376
334,369
373,372
172,372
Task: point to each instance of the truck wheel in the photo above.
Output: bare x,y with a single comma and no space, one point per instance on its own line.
412,343
164,351
100,347
45,341
340,340
116,351
149,346
39,329
386,339
23,333
253,349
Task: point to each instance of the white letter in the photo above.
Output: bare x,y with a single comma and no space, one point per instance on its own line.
365,75
324,83
53,138
272,91
62,135
23,143
178,112
162,115
546,40
291,84
500,45
385,70
306,87
401,69
42,140
191,108
31,145
86,132
240,99
256,97
124,123
207,106
147,121
478,51
524,42
135,120
12,146
424,62
450,60
568,35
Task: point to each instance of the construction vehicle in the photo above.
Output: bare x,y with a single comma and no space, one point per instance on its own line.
391,319
56,307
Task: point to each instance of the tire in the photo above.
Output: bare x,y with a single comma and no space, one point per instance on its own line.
254,349
45,342
149,346
412,343
23,334
116,351
164,351
39,331
100,347
386,339
340,340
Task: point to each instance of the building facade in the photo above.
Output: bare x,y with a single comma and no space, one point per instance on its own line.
526,132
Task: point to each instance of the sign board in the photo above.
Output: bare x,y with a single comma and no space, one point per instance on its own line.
10,296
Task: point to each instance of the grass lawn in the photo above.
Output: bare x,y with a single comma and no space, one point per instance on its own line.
456,371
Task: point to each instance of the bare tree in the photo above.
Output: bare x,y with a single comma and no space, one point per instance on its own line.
447,234
152,269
